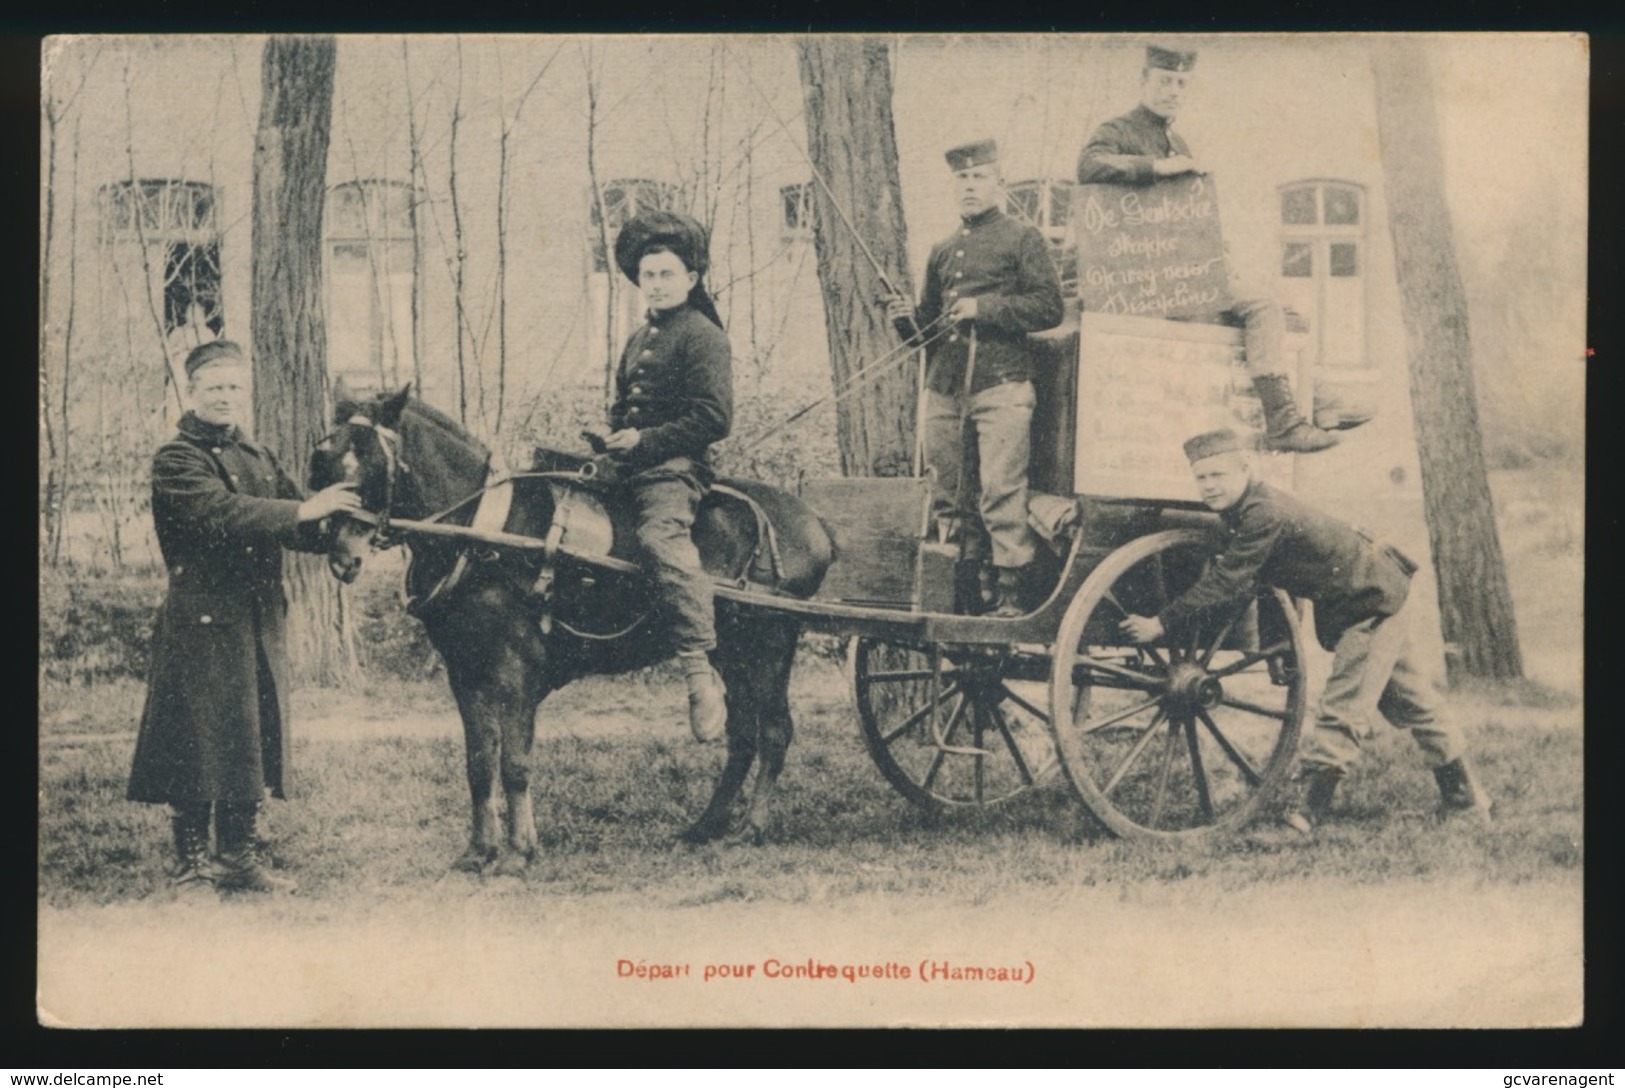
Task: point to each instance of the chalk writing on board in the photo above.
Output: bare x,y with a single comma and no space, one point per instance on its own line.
1152,250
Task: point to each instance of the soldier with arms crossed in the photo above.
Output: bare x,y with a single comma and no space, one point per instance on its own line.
1140,148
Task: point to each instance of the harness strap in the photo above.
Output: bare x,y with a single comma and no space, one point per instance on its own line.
766,535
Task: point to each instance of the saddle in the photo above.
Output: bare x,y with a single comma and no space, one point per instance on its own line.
590,516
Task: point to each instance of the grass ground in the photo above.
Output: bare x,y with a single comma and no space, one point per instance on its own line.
382,809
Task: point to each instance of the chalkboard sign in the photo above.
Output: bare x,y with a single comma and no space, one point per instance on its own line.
1151,250
1144,386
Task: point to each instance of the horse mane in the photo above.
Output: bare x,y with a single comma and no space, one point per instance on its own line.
446,459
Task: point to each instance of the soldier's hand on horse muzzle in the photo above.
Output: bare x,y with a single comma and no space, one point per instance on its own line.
339,498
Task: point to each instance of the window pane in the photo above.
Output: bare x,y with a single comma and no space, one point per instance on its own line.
1024,202
1344,260
1060,204
1297,260
1342,207
1298,206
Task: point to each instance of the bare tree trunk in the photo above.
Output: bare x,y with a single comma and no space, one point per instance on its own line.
420,188
290,340
1474,600
458,254
51,508
172,365
610,278
850,137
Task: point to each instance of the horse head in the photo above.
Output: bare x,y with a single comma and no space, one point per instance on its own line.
363,449
406,460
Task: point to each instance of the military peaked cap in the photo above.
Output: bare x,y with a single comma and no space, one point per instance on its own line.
683,235
1213,443
968,155
1175,60
215,351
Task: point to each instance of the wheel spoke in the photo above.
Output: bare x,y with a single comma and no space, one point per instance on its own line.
1224,633
1151,651
1245,765
1133,754
1248,660
1010,742
947,735
1023,704
1162,776
919,715
893,676
1129,713
1198,772
978,723
1254,708
1120,672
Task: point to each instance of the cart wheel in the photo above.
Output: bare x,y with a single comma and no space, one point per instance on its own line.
1175,741
990,740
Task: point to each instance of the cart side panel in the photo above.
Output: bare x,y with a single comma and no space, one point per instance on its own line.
1145,385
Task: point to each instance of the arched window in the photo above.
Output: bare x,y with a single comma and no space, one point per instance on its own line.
1047,205
623,199
179,219
796,221
616,306
369,282
1323,265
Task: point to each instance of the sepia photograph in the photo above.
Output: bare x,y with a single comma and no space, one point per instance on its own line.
829,530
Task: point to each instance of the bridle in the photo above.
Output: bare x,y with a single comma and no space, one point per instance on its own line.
395,469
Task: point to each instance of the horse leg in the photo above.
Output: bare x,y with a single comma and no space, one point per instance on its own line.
774,731
480,746
507,697
713,822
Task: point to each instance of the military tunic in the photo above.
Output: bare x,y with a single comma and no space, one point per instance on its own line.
1360,589
1005,266
1141,136
214,727
675,388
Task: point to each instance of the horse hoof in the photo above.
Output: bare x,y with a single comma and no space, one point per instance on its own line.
702,833
749,835
472,861
511,864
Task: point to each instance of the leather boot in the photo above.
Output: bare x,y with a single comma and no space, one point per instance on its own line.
193,869
707,697
1284,428
1459,794
240,867
1317,787
1007,594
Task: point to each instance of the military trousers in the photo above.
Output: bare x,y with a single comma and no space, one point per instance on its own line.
1376,672
1263,335
982,447
666,499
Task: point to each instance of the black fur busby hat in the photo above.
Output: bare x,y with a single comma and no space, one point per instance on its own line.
683,234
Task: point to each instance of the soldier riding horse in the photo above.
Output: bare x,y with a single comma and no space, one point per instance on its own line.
515,623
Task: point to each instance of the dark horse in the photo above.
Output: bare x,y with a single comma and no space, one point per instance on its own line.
512,628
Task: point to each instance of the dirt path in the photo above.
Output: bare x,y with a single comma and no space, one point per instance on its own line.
494,954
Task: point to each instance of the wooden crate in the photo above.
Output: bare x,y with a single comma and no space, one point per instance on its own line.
878,523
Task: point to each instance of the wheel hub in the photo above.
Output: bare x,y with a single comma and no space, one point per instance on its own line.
1192,688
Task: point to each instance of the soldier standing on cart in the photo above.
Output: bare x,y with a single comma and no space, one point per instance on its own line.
1140,148
994,282
1360,589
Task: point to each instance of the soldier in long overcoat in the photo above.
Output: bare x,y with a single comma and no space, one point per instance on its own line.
1360,588
213,734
